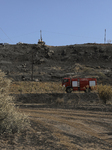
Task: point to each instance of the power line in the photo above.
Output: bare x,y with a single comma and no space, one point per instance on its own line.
1,40
48,32
71,35
6,35
57,33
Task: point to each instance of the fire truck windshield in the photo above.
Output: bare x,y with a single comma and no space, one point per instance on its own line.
65,80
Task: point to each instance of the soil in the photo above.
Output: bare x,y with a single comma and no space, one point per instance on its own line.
64,129
60,121
75,121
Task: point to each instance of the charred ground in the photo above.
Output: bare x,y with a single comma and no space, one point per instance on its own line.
52,63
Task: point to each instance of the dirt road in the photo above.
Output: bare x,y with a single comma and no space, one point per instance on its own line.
72,129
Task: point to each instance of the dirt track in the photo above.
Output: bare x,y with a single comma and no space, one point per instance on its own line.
61,121
73,129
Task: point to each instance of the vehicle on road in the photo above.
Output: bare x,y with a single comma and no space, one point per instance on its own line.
79,84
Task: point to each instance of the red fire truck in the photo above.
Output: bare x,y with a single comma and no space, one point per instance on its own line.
79,84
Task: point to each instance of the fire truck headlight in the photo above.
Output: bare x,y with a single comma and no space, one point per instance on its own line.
63,87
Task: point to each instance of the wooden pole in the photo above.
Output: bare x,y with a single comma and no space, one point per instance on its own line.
32,69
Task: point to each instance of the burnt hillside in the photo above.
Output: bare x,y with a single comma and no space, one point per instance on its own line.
52,63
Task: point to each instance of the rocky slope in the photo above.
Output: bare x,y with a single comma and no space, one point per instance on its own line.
52,63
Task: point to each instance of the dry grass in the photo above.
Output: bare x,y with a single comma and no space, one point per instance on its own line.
105,92
35,87
57,68
71,128
88,70
64,140
11,120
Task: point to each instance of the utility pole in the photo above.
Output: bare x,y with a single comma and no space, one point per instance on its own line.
105,37
32,67
41,35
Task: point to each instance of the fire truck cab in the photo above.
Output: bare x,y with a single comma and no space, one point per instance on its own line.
79,84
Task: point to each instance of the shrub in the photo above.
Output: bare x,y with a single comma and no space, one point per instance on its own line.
11,120
105,92
94,88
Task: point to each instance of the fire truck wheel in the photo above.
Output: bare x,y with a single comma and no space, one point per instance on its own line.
69,90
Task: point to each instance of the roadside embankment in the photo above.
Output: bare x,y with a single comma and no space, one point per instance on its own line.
83,101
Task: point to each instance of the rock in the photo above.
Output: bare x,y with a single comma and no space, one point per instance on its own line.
50,53
24,65
98,67
42,60
101,50
36,80
46,49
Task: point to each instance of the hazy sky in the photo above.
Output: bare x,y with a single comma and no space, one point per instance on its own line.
63,22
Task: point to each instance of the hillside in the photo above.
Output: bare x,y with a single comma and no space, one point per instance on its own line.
52,63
